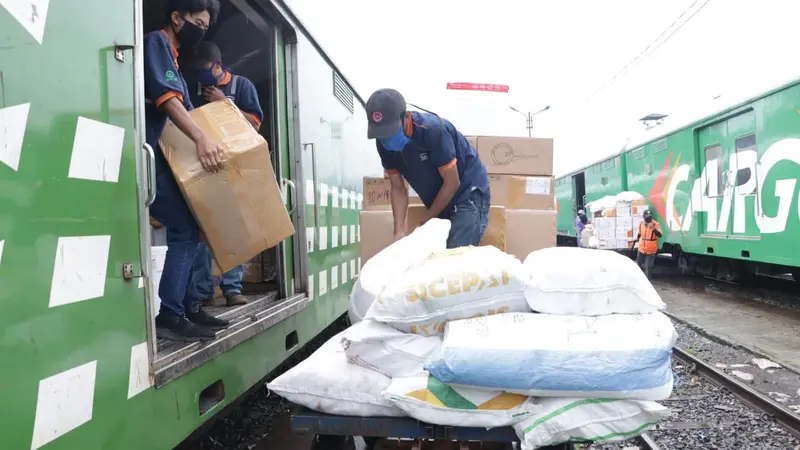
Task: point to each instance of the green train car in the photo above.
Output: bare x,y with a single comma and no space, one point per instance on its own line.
83,369
724,187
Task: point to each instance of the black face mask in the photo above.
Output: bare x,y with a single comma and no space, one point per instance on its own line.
648,219
190,35
583,219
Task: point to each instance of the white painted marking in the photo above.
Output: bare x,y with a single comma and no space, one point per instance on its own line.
344,235
310,238
141,282
352,268
353,200
352,234
64,402
96,151
13,121
2,244
139,377
323,283
323,238
323,194
31,14
359,265
310,287
360,201
334,236
345,195
309,192
344,273
334,277
80,269
358,233
334,196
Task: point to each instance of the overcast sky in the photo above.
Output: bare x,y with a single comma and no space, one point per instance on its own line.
561,53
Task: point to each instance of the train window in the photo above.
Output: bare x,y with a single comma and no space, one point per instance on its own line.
608,164
746,159
714,153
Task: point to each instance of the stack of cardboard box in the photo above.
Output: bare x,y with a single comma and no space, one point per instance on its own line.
617,227
522,216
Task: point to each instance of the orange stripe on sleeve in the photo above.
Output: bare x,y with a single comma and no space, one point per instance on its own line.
254,117
171,94
447,166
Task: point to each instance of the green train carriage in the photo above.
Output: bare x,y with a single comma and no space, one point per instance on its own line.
82,366
724,187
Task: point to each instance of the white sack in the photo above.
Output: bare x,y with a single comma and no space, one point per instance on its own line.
450,285
392,261
427,399
584,282
596,420
616,356
327,383
628,196
383,349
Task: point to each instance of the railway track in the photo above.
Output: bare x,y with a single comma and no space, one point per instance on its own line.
769,408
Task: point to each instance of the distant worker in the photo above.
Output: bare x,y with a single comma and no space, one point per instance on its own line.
438,163
215,82
580,224
167,97
649,232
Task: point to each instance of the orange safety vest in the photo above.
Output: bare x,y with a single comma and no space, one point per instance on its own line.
648,243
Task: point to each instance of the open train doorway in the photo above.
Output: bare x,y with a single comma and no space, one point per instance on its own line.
579,191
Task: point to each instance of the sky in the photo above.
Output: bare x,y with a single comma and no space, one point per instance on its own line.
562,54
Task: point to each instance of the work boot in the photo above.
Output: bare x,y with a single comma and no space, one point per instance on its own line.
235,299
207,302
202,319
181,329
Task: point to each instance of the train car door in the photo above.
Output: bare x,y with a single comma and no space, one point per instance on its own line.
741,177
713,148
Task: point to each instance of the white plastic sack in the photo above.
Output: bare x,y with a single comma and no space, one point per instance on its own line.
628,196
584,282
427,399
393,261
383,349
596,420
450,285
616,356
327,383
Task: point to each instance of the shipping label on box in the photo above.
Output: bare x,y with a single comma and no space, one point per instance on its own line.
521,192
378,194
516,155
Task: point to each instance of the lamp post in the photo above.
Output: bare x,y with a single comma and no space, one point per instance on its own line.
529,117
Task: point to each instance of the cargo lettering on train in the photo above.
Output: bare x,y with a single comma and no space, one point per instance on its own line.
745,179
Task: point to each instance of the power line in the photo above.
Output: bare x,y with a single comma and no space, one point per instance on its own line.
644,53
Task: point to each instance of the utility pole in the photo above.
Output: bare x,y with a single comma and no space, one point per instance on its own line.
529,117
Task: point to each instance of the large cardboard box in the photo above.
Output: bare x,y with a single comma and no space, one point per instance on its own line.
378,194
521,192
240,208
516,155
495,233
377,232
528,231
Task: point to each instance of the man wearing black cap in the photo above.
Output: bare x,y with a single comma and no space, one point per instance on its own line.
438,163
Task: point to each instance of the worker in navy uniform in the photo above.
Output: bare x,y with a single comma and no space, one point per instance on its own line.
167,97
215,82
438,163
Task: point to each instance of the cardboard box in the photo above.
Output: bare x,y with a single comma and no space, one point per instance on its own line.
528,231
239,209
521,192
495,233
473,141
516,155
377,232
377,194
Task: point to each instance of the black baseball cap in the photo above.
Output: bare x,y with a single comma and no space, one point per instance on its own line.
385,109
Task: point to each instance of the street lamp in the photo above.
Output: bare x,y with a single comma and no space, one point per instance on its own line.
529,117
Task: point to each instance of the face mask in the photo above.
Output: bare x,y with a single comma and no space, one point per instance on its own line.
397,142
648,219
190,35
206,76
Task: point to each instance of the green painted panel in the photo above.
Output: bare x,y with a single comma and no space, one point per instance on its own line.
566,207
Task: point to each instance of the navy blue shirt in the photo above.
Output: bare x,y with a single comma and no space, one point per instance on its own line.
162,81
237,88
435,144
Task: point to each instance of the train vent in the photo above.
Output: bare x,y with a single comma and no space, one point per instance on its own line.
342,92
638,153
659,145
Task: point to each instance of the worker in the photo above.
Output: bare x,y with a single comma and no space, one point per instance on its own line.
438,163
215,82
580,224
649,232
167,97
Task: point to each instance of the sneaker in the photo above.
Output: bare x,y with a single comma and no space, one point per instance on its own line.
235,299
202,319
181,329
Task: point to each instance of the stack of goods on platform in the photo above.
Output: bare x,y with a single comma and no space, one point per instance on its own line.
569,344
615,221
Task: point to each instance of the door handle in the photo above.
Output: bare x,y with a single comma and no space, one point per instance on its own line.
151,175
290,183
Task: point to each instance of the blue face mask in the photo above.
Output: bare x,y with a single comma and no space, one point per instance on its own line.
206,76
397,142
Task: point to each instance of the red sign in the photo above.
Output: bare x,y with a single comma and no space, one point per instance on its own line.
486,87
